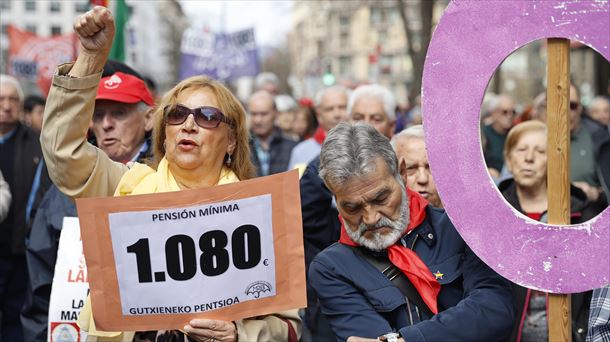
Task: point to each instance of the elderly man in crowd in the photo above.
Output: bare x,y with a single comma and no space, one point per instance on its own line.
121,125
599,110
502,111
410,148
20,155
370,104
269,147
33,109
401,270
583,164
331,108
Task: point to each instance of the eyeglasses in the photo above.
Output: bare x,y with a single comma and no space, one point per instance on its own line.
205,117
574,105
509,111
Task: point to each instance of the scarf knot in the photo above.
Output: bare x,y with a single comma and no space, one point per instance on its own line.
407,260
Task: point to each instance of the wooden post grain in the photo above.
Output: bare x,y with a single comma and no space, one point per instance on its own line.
558,168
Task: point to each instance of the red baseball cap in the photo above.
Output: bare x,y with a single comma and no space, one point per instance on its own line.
121,87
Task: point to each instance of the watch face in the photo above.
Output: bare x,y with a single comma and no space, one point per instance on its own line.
390,337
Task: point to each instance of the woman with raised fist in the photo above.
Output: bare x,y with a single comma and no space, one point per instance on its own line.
200,139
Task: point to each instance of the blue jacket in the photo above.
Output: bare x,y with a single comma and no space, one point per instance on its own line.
475,303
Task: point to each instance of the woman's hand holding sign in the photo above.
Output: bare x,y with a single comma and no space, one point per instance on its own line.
211,330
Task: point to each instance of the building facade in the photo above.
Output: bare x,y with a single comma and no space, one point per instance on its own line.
356,42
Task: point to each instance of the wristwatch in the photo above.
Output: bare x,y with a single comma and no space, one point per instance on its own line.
389,337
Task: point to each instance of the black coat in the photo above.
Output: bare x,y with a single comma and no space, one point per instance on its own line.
41,256
321,228
581,211
27,155
280,148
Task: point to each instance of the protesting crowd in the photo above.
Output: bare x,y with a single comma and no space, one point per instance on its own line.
383,259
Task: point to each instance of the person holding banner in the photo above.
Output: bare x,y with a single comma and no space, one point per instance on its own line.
400,271
200,140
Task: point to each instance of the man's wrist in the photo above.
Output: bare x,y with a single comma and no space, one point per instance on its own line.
390,337
88,64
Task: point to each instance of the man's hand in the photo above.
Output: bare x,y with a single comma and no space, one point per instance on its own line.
211,330
95,30
591,191
362,339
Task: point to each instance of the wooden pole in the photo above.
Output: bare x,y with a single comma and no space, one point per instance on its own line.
558,168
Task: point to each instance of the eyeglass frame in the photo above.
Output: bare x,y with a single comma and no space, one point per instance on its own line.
196,112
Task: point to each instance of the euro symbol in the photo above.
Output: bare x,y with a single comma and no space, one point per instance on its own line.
266,262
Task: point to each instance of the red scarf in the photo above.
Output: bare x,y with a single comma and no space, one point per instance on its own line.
407,260
319,135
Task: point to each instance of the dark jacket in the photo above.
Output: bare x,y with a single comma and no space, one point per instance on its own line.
280,148
321,228
475,303
27,155
581,212
41,255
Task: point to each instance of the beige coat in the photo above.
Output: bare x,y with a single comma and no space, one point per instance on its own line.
80,169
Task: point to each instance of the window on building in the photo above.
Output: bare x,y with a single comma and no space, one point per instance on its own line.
55,30
31,28
345,66
344,40
54,6
4,28
375,16
385,65
344,21
383,37
30,5
5,4
81,6
3,59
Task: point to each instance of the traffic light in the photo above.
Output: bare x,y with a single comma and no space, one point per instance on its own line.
328,78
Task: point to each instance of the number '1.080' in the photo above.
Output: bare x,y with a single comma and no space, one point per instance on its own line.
181,256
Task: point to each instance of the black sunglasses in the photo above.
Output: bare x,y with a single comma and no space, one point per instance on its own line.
205,117
574,105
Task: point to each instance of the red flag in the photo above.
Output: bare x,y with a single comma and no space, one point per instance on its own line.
35,58
99,3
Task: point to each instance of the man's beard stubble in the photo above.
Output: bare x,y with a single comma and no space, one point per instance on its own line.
379,242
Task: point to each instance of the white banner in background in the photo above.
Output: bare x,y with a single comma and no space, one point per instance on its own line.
70,287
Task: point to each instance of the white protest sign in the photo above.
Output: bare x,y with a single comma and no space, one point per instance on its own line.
70,287
207,256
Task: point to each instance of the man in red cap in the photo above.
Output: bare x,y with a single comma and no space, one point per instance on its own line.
121,121
122,116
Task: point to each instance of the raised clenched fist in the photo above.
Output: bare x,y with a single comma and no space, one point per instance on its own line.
95,29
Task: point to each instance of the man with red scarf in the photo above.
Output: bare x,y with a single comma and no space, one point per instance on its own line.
460,298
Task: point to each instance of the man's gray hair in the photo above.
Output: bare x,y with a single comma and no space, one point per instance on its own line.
381,93
285,103
264,78
336,88
351,149
13,82
415,131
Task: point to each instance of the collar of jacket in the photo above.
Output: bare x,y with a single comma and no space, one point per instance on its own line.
142,179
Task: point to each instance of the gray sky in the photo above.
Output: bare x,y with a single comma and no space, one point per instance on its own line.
271,20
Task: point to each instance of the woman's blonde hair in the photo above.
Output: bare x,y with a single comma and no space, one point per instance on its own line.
229,105
515,134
